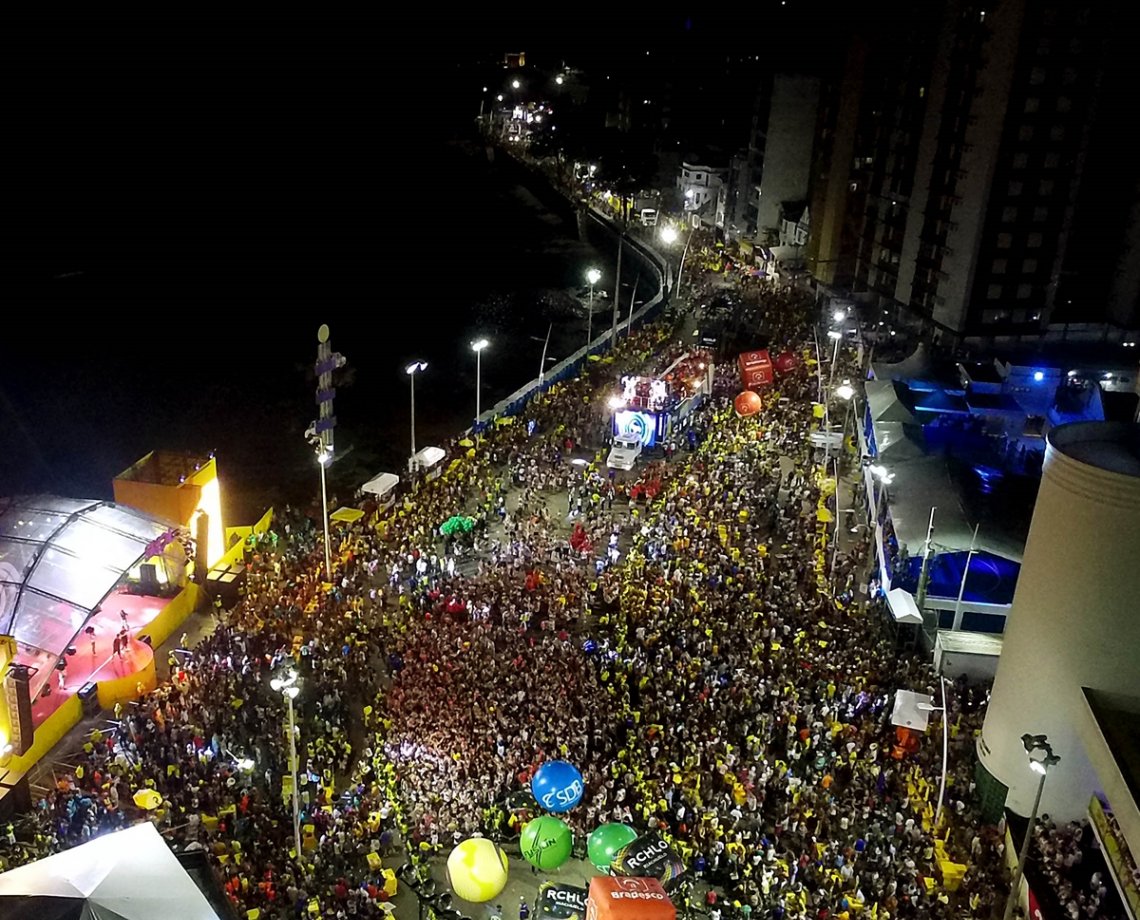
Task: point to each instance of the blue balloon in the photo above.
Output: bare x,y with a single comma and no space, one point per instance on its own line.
557,786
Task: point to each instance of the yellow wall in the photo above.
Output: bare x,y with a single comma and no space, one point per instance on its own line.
54,727
174,614
234,553
178,503
124,689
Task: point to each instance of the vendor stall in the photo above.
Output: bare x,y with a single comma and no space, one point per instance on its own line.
428,461
383,486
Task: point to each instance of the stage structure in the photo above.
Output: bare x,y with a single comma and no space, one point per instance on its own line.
183,489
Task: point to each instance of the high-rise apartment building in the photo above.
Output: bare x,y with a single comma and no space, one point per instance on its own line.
968,147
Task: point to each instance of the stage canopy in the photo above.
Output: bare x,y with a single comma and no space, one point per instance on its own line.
127,875
59,557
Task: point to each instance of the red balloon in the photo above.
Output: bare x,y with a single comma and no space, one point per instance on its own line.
747,403
786,363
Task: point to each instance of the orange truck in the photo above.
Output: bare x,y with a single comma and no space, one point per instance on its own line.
628,899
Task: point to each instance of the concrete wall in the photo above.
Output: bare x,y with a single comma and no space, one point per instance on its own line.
1075,618
787,151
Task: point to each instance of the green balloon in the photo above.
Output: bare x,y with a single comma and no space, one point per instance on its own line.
605,841
546,842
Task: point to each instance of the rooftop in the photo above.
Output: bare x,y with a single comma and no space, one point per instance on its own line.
164,468
1110,446
1118,718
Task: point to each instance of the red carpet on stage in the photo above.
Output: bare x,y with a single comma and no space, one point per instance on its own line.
95,659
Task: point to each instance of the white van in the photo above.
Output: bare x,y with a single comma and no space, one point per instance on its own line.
624,453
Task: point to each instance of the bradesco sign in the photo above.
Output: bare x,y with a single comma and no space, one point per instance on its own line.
628,899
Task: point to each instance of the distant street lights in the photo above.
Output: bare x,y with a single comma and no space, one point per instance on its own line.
593,276
288,688
477,347
416,367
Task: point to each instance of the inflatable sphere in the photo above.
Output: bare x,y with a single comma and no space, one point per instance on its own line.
605,841
546,842
786,362
477,870
557,786
747,403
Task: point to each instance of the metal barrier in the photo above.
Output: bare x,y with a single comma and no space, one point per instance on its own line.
570,366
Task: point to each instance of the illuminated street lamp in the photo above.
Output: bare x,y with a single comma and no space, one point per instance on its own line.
324,455
1040,766
558,80
416,367
839,315
288,688
477,347
669,236
885,477
835,336
593,276
515,84
845,391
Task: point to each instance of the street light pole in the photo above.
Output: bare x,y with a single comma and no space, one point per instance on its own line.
592,276
322,462
957,624
288,688
411,370
290,692
542,361
924,572
1033,743
945,753
478,347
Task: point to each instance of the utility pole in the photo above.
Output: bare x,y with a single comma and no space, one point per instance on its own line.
957,624
924,573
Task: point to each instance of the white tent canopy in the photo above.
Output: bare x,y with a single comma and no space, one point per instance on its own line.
427,457
128,875
381,484
903,607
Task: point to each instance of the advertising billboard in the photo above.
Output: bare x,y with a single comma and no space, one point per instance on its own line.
639,425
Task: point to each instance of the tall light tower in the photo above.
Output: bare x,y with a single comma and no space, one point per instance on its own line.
320,433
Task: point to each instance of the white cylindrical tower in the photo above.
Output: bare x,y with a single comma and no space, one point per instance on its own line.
1075,620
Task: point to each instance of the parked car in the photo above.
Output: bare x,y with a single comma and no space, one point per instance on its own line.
624,453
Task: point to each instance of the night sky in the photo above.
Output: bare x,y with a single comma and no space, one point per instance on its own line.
187,199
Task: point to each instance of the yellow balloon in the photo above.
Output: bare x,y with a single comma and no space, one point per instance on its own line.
477,870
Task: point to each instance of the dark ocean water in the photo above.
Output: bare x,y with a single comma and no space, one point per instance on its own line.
201,335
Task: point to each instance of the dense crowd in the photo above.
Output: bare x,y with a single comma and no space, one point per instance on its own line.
715,670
